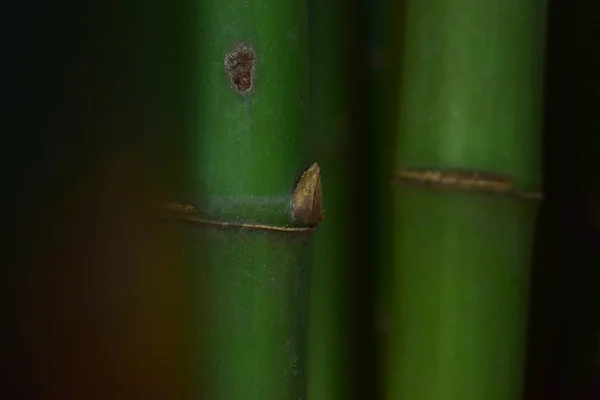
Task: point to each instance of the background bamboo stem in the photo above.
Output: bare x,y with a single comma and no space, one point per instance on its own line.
470,105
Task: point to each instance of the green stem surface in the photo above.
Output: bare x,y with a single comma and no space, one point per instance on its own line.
328,338
255,312
470,101
245,152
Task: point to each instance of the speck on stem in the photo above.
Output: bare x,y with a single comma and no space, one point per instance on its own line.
239,65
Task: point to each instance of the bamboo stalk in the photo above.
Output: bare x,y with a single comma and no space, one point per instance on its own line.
251,202
467,179
327,355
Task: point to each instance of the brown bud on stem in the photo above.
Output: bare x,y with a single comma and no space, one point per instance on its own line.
307,199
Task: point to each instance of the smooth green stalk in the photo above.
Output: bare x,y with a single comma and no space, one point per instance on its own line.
469,120
253,340
327,358
251,150
246,244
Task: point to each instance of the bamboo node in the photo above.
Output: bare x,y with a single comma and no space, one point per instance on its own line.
307,199
463,180
189,213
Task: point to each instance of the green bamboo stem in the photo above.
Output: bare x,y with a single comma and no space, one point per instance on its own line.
248,218
467,176
327,355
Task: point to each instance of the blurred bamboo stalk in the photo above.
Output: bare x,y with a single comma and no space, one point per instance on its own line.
329,130
467,178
